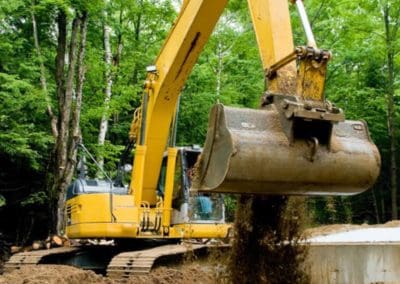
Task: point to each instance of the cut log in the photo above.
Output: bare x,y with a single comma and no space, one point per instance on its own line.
15,249
36,245
57,240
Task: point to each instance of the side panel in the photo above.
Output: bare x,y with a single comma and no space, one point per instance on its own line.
90,216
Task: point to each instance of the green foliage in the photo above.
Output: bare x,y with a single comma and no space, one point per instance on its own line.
111,154
2,201
139,28
36,198
358,83
331,210
20,136
230,203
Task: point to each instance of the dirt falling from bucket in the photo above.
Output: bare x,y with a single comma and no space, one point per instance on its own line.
266,248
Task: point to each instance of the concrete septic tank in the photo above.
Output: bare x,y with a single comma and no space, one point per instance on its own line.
370,255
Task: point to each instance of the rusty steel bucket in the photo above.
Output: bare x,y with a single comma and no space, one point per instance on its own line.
248,152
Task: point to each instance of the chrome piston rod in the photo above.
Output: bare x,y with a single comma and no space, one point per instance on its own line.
306,24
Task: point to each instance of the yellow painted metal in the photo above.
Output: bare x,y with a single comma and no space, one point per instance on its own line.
169,186
184,4
87,221
199,231
128,230
271,21
311,79
124,210
85,208
102,230
176,60
91,215
138,174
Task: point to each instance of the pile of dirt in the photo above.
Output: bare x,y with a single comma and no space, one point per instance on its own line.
329,229
339,228
52,274
187,273
268,245
60,274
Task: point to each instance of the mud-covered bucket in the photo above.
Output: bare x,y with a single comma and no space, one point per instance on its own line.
247,152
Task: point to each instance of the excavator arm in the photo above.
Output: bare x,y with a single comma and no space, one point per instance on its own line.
299,141
191,31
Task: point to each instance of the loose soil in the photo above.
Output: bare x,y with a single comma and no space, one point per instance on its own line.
258,256
51,274
267,245
62,274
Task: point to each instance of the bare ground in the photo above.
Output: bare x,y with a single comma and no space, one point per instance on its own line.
62,274
197,271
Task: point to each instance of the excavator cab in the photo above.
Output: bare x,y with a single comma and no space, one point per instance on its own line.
189,207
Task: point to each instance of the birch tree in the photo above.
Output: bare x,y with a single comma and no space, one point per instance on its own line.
108,87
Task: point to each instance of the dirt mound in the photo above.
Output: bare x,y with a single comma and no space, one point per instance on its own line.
61,274
329,229
52,274
340,228
189,273
390,224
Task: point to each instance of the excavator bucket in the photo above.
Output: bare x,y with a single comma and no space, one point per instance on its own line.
291,151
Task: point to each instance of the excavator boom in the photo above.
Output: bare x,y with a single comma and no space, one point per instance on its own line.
164,82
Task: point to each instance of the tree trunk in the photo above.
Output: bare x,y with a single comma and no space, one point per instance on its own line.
120,45
110,63
376,208
383,207
107,91
60,83
69,91
220,68
65,103
76,111
391,33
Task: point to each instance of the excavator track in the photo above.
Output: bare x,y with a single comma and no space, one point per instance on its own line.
35,257
127,264
121,265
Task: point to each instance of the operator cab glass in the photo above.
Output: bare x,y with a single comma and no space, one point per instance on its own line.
206,208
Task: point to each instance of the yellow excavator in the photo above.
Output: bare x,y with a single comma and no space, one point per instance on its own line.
297,143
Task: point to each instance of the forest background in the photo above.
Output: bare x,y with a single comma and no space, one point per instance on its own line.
72,71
